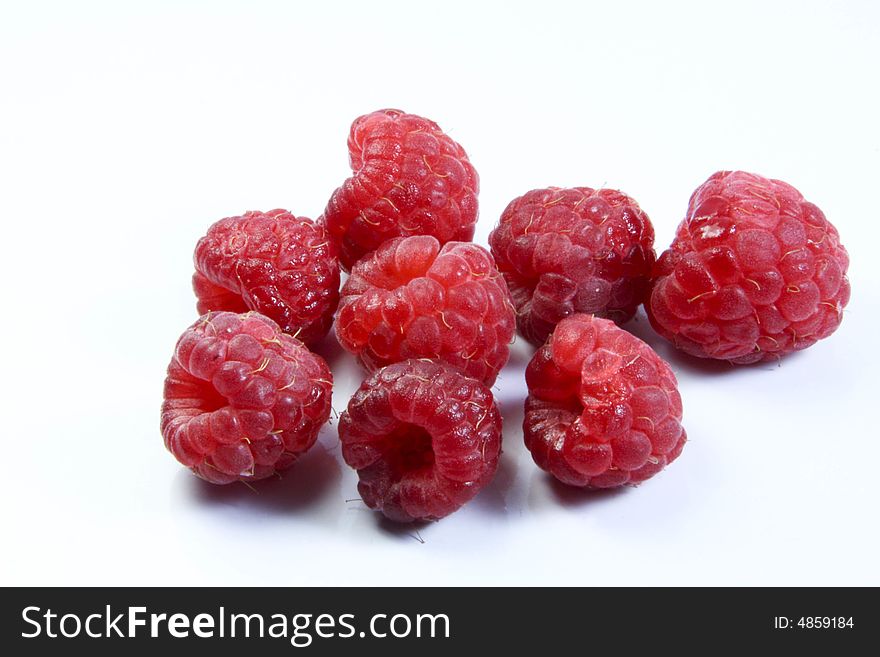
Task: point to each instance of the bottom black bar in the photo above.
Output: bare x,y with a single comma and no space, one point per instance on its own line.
433,621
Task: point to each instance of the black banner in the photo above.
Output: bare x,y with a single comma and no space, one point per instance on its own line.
432,621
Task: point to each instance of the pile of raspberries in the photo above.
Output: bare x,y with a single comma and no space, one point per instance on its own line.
755,272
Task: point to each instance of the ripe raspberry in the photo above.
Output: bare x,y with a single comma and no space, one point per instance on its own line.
755,272
603,408
579,250
413,299
423,437
282,266
409,179
242,399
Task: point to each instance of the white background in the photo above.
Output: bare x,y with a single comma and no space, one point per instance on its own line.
126,129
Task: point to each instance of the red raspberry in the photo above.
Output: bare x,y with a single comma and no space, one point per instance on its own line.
579,250
413,299
423,437
282,266
409,179
755,272
603,408
242,399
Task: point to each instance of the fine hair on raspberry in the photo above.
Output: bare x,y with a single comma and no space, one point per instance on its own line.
424,439
413,298
575,250
242,399
755,272
409,178
603,408
282,266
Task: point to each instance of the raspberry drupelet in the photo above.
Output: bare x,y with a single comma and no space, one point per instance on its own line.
603,408
577,250
413,298
282,266
755,272
409,179
424,439
242,400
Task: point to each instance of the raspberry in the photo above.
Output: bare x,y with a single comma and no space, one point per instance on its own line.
603,408
755,272
409,179
423,437
413,299
578,250
242,399
282,266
